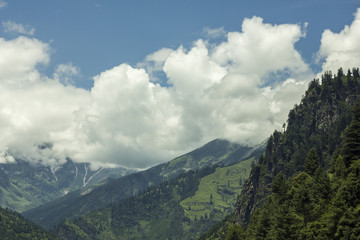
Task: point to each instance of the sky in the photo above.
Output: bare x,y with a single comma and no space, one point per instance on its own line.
137,83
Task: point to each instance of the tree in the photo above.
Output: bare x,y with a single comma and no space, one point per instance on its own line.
322,183
339,167
235,232
356,73
340,73
351,141
279,186
311,162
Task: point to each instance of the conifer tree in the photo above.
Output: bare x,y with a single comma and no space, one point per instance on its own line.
279,185
311,162
351,144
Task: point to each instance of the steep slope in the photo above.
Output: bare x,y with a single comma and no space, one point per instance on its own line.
217,152
317,123
182,208
24,185
315,128
315,204
13,226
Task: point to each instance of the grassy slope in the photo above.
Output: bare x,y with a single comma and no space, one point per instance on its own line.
217,192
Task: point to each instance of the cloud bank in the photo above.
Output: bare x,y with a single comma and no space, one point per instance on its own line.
240,89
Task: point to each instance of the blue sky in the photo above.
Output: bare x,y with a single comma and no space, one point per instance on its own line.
136,83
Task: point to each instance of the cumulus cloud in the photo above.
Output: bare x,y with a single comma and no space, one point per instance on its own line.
33,108
262,48
341,49
19,59
13,27
235,90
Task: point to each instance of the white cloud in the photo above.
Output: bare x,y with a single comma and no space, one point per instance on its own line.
19,59
65,72
192,72
262,48
13,27
3,4
33,108
223,89
127,119
341,49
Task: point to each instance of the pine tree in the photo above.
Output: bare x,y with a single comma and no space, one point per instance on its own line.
339,167
311,162
279,186
351,141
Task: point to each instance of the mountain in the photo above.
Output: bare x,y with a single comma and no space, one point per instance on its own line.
181,208
318,122
13,226
25,185
306,185
218,152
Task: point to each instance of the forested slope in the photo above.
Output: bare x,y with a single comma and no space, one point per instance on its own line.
13,226
307,184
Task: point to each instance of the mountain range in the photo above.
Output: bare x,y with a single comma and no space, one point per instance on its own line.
25,185
215,153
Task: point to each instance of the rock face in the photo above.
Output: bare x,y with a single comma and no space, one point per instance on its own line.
317,123
249,200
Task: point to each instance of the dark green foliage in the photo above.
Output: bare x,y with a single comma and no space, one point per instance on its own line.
339,167
316,203
351,145
279,186
313,138
235,232
311,162
308,212
220,229
13,226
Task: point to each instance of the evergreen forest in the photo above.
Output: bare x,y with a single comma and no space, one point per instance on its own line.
307,184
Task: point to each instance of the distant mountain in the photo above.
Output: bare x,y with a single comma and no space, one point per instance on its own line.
24,185
14,227
181,208
218,152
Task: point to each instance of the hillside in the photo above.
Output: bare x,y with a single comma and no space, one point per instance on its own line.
14,227
182,208
217,152
305,186
26,185
317,122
